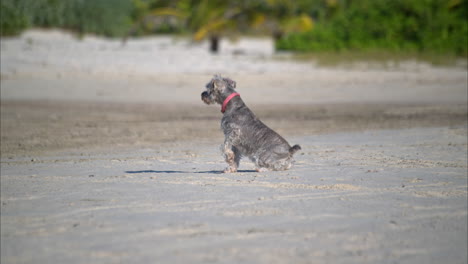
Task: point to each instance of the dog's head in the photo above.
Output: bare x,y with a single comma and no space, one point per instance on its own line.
218,89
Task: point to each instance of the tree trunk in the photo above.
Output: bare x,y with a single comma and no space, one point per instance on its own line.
277,35
214,44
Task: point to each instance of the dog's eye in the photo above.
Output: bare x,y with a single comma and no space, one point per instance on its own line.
209,85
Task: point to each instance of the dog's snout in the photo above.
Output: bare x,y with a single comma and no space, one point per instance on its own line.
205,96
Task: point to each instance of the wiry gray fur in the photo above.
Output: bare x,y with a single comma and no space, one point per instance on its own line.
245,134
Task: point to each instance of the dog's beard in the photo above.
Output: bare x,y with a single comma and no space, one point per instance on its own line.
206,98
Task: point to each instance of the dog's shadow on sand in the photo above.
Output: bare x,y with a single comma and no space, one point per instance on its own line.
183,172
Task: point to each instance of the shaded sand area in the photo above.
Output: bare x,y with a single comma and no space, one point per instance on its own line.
108,155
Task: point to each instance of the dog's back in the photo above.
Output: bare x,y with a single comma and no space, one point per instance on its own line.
256,140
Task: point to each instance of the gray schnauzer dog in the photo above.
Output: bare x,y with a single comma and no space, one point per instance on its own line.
245,134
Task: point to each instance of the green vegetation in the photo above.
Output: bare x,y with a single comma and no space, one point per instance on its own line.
213,19
104,17
428,26
419,26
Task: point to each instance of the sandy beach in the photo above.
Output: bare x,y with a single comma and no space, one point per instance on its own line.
108,155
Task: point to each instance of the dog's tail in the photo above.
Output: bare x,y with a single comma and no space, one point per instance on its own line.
294,149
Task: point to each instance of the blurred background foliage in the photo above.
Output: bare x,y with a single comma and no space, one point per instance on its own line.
396,25
103,17
436,26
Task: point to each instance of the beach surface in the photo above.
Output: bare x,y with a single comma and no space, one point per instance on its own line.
108,155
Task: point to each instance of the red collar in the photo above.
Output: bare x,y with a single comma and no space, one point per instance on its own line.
223,109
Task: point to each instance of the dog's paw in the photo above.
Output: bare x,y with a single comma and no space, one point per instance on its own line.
230,170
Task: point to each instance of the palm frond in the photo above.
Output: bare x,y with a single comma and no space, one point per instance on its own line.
210,28
301,23
167,12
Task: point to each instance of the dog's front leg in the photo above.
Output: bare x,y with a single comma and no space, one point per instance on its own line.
232,157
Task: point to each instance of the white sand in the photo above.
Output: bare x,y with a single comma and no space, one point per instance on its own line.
376,197
54,66
388,196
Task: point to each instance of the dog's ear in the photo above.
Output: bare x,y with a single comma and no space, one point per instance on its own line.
230,83
219,84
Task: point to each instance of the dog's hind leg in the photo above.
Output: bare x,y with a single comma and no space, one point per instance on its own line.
274,161
283,164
